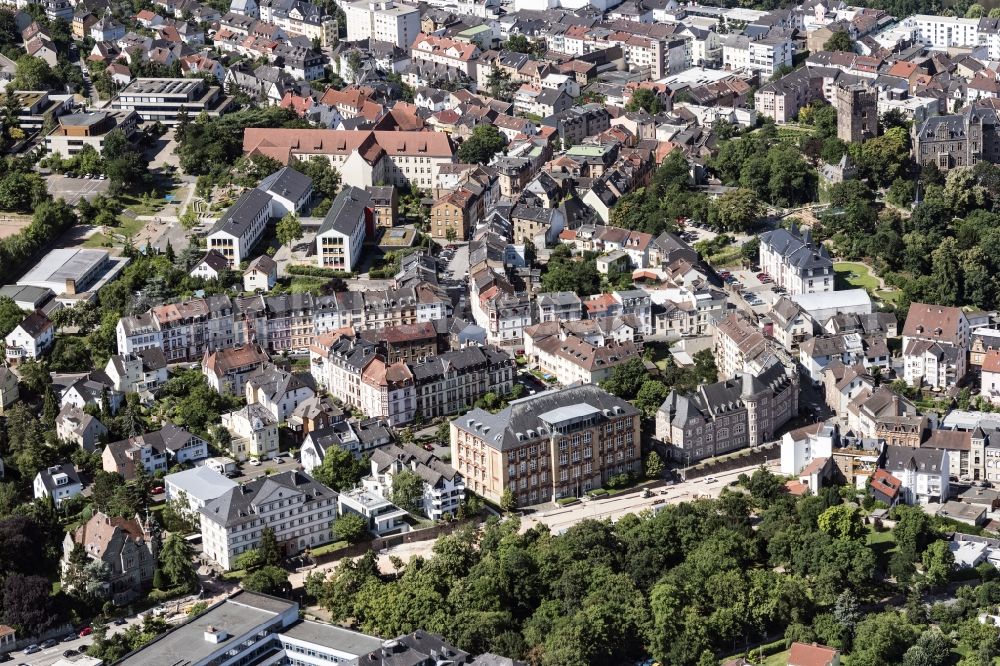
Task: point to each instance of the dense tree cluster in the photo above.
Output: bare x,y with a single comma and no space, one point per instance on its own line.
656,207
774,171
485,142
944,250
210,146
567,273
693,577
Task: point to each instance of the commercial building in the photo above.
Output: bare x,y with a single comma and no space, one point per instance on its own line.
548,446
74,275
164,100
342,234
300,510
90,128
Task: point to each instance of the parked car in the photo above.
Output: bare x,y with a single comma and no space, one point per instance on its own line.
86,631
254,462
429,447
70,653
119,621
46,644
158,490
32,649
69,637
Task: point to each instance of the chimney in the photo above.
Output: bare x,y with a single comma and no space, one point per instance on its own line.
70,286
215,636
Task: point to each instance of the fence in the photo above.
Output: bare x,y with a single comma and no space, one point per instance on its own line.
758,456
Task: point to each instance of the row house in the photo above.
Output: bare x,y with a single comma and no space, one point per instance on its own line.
935,346
499,308
356,371
572,359
435,58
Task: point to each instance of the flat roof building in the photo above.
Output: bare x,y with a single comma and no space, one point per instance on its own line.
163,99
73,275
253,628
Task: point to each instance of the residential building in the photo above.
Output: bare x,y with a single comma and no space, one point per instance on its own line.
382,516
211,266
384,205
9,392
729,415
433,57
342,234
300,510
943,32
923,473
318,442
443,487
572,359
241,226
313,414
141,372
129,546
551,445
803,654
164,100
382,21
75,425
261,275
795,263
559,306
30,340
278,391
193,488
254,433
89,128
455,214
935,345
59,482
153,451
227,369
734,341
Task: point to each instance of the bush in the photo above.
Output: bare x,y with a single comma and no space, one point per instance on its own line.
316,271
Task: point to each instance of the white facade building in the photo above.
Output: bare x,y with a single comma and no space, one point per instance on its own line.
383,21
342,234
300,510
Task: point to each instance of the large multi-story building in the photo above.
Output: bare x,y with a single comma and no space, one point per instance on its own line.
960,139
186,331
90,128
240,228
382,21
443,487
164,100
340,237
300,510
794,262
729,415
548,446
944,32
356,371
935,345
363,157
297,17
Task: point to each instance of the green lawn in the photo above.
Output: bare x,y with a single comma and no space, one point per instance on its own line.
856,275
729,256
97,240
129,227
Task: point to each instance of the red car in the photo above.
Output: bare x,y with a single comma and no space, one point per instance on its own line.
157,490
86,631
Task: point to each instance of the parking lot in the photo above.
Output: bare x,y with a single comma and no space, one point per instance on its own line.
759,294
73,189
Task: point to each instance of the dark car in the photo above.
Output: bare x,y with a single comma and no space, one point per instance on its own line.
69,637
70,653
119,621
45,645
5,657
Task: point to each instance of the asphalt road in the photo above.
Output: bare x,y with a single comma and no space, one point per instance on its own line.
53,654
562,518
248,471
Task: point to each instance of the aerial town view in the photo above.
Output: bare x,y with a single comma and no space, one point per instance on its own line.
499,333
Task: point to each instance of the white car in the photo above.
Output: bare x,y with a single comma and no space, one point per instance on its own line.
255,462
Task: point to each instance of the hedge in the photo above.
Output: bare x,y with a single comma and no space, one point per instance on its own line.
316,271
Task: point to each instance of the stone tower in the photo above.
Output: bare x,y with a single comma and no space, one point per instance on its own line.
857,112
